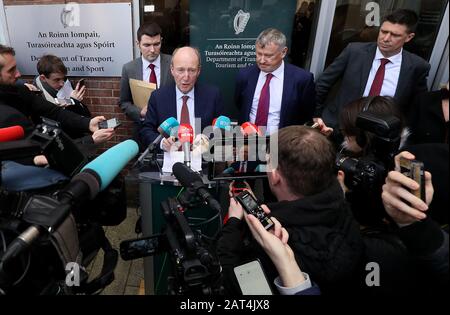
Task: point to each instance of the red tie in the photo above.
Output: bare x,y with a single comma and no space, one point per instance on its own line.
152,74
184,119
264,102
377,83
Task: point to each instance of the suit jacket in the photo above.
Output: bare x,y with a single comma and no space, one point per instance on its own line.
163,104
353,66
133,70
298,99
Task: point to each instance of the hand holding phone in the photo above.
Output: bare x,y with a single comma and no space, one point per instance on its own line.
251,206
110,123
415,170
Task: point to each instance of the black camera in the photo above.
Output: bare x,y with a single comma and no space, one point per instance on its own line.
370,171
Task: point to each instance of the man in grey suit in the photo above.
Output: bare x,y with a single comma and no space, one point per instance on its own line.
152,66
370,69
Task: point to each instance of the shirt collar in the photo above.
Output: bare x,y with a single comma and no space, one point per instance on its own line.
393,59
156,62
277,72
181,94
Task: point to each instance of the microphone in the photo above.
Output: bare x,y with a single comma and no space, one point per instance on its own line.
185,136
94,177
11,133
222,122
189,179
250,129
165,130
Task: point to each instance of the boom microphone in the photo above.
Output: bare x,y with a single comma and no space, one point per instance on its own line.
165,130
94,177
11,133
186,136
189,179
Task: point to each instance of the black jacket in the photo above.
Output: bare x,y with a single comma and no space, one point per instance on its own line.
322,233
32,107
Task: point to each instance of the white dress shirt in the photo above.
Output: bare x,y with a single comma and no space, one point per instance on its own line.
146,70
190,105
391,75
276,95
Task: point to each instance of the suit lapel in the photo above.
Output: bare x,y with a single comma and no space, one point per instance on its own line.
367,62
138,69
286,90
172,109
405,70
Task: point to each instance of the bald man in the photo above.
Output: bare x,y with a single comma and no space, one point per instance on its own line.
186,100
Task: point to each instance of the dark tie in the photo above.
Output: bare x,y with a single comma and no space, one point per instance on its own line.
379,78
184,119
152,74
264,102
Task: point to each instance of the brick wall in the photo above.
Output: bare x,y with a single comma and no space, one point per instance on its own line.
102,94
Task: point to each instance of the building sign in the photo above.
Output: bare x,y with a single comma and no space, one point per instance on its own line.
225,32
91,39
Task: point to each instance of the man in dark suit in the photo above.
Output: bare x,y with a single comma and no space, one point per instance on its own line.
369,69
273,93
152,66
186,100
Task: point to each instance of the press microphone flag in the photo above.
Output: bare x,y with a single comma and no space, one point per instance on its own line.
11,133
166,129
222,122
249,129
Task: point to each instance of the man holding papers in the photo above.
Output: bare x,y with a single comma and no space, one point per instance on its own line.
186,100
152,68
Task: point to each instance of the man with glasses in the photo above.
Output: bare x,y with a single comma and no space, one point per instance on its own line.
186,100
272,93
152,67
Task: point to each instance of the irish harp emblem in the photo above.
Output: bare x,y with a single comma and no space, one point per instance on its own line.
240,21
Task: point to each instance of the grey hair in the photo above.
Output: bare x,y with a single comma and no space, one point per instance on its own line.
197,52
271,35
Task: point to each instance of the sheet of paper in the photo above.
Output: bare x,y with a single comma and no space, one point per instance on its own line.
141,91
170,158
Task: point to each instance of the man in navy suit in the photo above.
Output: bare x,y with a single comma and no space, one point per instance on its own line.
186,100
273,93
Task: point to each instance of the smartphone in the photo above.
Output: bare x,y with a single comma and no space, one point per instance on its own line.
81,83
110,123
37,92
64,101
251,206
415,170
251,279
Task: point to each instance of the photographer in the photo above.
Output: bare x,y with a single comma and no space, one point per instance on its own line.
19,106
425,241
366,157
311,207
